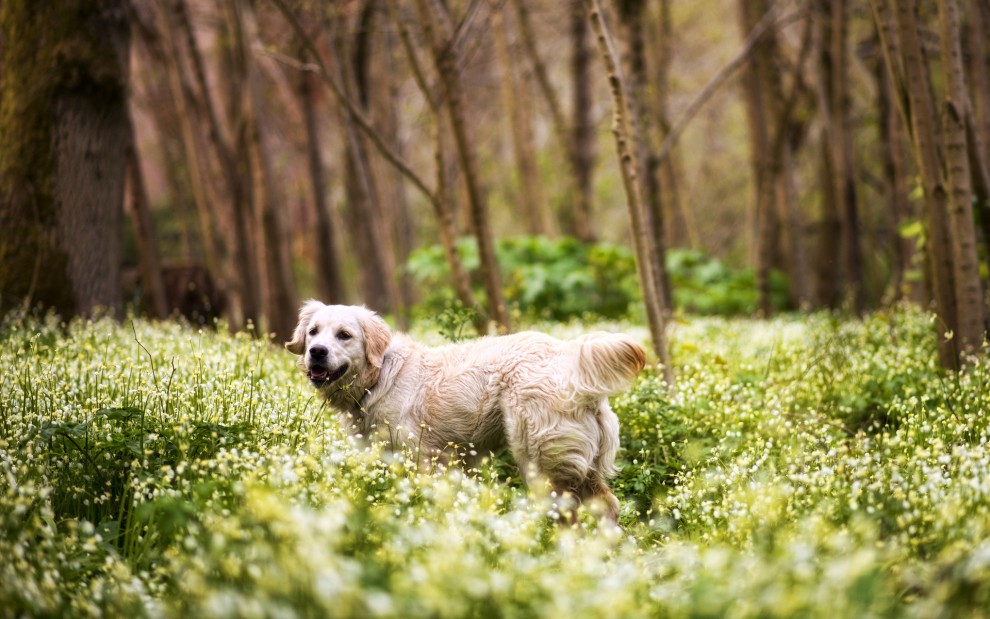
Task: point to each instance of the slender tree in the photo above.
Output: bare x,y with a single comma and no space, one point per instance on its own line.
280,300
956,115
577,137
438,198
905,59
841,152
149,257
895,181
649,256
442,40
761,90
632,15
516,101
327,267
978,127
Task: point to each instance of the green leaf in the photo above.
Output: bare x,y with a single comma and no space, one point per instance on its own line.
123,413
912,229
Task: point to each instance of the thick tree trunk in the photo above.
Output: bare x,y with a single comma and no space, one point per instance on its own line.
63,155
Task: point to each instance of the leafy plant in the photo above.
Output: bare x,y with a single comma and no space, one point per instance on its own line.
560,279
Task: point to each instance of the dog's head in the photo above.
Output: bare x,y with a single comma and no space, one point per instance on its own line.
340,344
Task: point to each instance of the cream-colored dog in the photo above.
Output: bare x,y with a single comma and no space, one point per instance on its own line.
543,398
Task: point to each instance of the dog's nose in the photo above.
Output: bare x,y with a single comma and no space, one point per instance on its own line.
318,352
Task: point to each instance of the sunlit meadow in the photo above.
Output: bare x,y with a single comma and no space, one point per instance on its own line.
811,467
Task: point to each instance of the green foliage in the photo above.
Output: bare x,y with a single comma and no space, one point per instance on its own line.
543,278
812,467
705,285
560,279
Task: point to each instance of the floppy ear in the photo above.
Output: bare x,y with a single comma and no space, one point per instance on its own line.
297,345
377,336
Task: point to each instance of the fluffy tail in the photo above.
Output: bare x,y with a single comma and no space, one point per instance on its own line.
606,363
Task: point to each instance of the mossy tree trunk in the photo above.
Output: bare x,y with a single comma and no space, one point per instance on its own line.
63,118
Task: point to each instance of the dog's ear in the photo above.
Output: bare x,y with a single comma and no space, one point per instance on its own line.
377,336
297,345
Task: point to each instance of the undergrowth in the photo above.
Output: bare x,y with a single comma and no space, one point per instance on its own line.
805,466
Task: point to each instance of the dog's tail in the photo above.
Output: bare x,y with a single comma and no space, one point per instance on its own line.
606,363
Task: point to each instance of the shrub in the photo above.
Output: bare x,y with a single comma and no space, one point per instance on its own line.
561,279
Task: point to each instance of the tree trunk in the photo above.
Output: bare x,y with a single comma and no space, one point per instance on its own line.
372,226
899,32
149,258
530,204
281,301
978,127
583,143
956,114
632,14
681,229
403,232
438,198
843,167
220,215
759,93
445,59
895,183
330,282
577,140
649,256
64,122
828,279
237,167
195,164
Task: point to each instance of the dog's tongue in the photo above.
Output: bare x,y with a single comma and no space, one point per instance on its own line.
318,372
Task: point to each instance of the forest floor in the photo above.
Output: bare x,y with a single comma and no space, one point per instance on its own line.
807,466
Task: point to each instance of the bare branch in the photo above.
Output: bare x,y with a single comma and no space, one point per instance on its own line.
766,25
355,113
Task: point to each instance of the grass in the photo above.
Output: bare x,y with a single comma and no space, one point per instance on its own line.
806,467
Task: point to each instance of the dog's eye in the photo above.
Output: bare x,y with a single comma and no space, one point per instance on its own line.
343,335
314,331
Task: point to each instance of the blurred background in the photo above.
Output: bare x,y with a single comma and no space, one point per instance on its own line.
228,158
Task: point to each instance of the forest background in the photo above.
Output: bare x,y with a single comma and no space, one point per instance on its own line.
833,154
815,170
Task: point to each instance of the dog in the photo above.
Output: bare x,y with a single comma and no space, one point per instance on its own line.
543,398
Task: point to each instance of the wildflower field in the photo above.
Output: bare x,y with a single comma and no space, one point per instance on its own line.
805,467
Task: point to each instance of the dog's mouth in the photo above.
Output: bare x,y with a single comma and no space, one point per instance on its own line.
320,375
